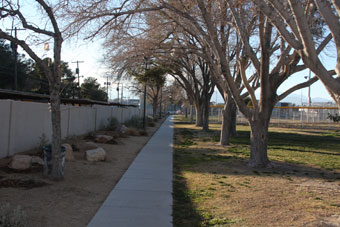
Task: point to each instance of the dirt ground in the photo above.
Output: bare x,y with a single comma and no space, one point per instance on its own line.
285,196
75,200
214,186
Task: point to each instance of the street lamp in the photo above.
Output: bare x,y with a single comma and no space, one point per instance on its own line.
160,105
144,106
309,89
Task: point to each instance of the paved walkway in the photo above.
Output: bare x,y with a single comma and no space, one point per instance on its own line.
143,196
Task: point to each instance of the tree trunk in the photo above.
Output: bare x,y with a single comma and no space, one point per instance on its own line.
233,110
154,109
228,122
191,113
206,108
199,116
259,143
57,172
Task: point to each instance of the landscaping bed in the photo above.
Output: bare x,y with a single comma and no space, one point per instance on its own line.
74,200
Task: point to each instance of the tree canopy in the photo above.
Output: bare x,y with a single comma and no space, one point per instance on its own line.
90,89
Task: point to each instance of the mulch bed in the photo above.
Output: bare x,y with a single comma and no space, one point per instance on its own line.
17,183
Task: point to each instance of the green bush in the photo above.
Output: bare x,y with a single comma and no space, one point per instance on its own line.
113,123
143,133
134,122
12,217
151,124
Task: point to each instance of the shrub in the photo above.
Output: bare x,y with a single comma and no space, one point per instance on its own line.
151,124
334,118
132,132
143,132
134,122
113,123
12,217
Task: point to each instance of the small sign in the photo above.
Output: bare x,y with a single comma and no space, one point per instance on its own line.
46,46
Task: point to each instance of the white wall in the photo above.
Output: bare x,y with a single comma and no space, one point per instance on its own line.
23,124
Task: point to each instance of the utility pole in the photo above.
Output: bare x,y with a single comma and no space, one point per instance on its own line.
107,83
160,105
309,98
144,107
14,47
77,72
118,92
121,96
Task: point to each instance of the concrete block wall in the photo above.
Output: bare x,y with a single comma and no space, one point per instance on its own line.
24,124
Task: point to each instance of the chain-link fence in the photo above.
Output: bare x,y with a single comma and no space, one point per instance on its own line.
290,116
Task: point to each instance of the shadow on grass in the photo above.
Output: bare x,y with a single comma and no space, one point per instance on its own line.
235,163
294,156
184,211
291,153
277,140
184,123
304,151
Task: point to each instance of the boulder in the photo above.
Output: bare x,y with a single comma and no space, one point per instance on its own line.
37,160
68,152
96,155
103,138
88,146
122,129
332,221
21,162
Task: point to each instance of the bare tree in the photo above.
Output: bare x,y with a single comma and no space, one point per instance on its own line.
12,11
193,74
249,25
300,24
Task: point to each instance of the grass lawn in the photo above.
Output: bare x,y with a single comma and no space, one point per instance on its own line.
214,187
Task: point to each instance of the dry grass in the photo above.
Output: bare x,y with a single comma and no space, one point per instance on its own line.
214,187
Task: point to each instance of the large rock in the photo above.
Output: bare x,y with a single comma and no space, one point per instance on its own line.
121,129
96,155
332,221
68,152
37,161
88,146
21,162
103,138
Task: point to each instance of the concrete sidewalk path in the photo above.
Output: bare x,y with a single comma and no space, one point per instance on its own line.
143,196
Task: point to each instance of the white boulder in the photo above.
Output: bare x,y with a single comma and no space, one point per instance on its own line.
96,155
20,162
37,160
88,146
103,138
122,129
68,152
